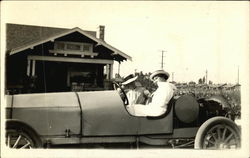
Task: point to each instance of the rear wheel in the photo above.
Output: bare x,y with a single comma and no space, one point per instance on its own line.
20,138
218,133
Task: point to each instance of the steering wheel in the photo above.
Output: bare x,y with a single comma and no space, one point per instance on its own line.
121,92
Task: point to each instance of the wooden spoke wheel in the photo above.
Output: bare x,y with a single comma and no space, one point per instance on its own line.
18,137
18,140
218,133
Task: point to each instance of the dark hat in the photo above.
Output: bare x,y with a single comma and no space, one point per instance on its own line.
159,72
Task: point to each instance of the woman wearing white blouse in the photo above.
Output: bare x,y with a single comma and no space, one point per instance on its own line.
160,99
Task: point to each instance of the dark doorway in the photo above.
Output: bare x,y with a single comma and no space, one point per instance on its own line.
56,76
52,76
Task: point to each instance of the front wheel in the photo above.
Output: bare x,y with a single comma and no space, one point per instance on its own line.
218,133
20,138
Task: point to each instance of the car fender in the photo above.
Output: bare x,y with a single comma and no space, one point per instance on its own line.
14,123
219,99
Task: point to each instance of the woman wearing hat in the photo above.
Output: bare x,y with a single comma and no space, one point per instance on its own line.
160,99
136,94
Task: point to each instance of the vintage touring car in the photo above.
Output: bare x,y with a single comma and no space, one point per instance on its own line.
36,120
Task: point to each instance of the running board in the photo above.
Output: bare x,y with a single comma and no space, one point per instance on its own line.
180,133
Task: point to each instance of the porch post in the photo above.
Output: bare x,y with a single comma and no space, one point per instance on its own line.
111,71
107,71
28,67
33,67
119,68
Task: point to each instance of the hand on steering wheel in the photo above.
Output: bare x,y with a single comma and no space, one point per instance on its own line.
121,93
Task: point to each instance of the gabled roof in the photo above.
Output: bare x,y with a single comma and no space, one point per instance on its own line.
22,37
19,35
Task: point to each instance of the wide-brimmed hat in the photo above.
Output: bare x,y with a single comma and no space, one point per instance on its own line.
129,80
159,72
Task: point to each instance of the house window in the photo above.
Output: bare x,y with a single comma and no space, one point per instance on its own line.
74,46
87,47
60,46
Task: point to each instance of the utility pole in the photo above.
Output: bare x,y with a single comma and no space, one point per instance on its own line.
206,76
162,56
172,76
238,81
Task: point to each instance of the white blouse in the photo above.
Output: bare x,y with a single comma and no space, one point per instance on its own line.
158,106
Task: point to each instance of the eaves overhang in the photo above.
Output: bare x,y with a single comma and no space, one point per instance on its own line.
52,38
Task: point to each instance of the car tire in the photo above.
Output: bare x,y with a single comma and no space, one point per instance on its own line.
218,133
21,138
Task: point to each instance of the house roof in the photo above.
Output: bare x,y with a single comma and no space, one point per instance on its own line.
22,37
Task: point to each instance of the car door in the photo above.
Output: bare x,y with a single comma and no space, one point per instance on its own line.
103,114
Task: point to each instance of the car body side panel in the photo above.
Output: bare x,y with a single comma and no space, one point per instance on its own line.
48,113
8,112
104,115
156,125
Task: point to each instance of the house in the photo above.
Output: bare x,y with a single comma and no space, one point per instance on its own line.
47,59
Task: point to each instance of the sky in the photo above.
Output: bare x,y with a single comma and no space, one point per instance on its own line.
195,36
